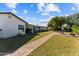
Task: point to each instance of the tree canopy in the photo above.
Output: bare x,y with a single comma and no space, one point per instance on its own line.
57,22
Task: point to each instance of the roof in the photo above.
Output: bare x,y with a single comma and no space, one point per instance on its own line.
40,26
13,15
37,25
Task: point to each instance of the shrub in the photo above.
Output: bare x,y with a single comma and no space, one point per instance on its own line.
75,29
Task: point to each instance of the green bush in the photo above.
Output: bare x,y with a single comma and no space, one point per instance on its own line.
75,29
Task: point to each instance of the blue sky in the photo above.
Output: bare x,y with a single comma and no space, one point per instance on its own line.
39,13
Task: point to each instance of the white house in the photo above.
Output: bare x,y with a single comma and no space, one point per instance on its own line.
11,25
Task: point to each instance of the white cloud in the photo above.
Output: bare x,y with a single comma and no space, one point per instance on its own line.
47,19
75,6
66,15
33,18
45,9
52,8
28,18
43,20
25,11
14,11
11,5
40,7
50,17
44,13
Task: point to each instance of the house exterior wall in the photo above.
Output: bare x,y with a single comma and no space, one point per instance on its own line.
40,28
9,25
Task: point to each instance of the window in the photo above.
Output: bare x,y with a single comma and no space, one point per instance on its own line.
21,27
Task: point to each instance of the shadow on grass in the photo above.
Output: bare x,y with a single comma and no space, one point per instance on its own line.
9,45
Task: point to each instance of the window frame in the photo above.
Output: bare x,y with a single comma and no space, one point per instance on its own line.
21,27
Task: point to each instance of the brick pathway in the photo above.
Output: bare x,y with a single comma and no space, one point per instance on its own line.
28,48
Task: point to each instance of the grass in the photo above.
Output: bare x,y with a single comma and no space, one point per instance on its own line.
12,44
40,34
58,46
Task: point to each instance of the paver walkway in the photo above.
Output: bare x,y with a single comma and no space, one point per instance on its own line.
28,48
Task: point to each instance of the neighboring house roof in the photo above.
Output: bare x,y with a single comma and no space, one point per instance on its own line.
13,15
41,26
36,26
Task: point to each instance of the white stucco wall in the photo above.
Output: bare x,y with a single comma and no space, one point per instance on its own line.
9,25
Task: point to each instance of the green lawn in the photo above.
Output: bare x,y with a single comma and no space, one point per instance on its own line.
13,43
39,35
58,46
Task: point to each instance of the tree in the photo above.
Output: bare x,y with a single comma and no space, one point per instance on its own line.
75,29
56,22
74,19
72,22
